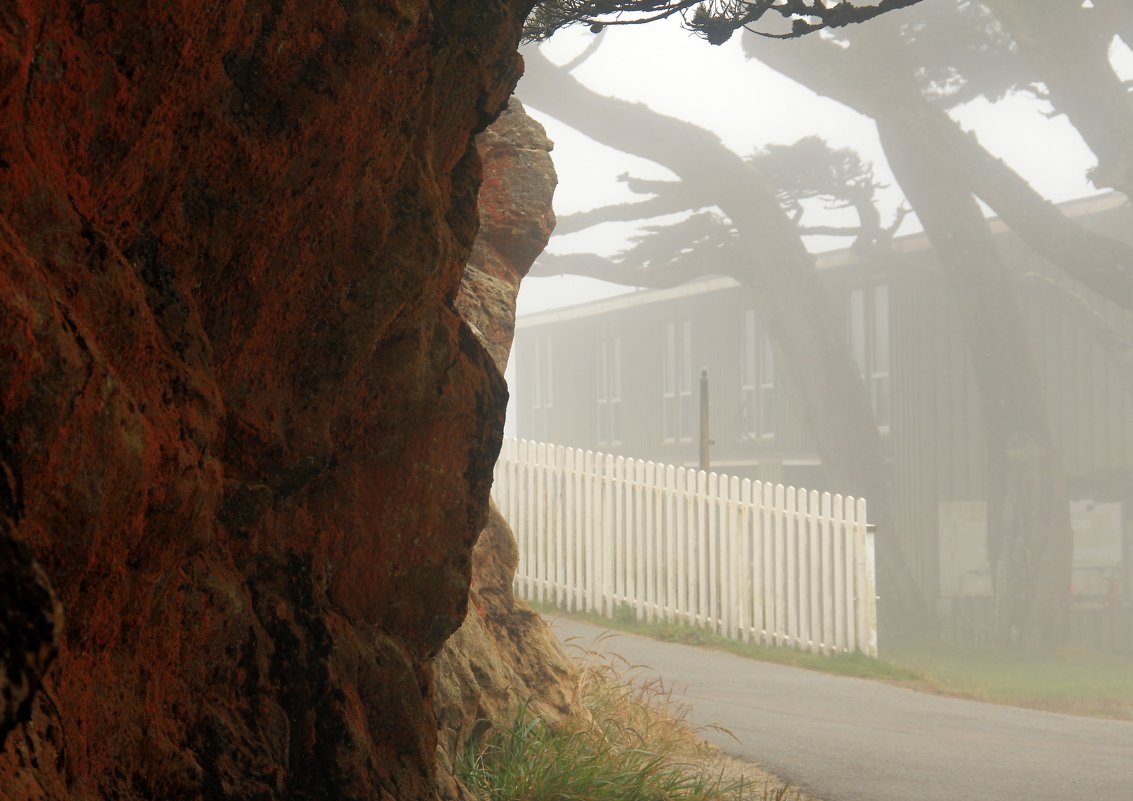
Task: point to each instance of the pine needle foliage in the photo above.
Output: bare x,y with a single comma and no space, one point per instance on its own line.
713,20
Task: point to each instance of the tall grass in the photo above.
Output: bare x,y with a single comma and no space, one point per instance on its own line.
629,742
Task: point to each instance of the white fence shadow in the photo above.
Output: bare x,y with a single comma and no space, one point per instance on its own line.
748,560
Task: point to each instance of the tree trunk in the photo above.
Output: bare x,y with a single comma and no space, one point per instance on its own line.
1029,535
782,282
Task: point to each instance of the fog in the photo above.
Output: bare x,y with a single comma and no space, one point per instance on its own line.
927,304
749,105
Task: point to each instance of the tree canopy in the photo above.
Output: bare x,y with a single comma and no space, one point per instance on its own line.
714,20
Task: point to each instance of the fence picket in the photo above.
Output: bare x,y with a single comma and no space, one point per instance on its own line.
746,559
760,561
814,536
839,574
770,612
746,567
850,540
791,544
827,576
802,536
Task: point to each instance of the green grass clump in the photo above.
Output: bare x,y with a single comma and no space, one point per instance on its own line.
1066,680
629,742
536,761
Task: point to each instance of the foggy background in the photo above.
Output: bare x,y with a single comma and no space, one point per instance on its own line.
968,389
749,106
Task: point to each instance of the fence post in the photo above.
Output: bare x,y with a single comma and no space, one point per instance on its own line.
815,535
827,576
850,558
623,535
802,534
706,551
871,589
705,440
608,529
747,515
540,529
560,524
571,524
780,567
839,575
740,558
791,514
671,526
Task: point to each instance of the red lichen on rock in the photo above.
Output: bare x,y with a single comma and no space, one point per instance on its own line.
253,435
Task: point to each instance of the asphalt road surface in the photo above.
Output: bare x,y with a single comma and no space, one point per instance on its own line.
847,739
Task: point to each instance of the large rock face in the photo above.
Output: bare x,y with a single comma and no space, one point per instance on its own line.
503,655
252,436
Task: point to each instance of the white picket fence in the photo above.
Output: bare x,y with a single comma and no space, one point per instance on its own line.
748,560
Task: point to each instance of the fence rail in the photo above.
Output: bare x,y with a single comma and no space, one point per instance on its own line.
748,560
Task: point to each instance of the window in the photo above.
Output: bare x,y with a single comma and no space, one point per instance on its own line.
869,343
676,383
610,391
542,403
757,382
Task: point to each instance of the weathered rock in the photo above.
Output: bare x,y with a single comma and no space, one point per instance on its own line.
503,655
516,220
31,618
254,437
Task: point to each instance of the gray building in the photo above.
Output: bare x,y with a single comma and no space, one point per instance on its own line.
621,375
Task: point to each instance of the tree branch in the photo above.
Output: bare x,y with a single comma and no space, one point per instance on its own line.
713,20
852,77
582,57
672,203
674,273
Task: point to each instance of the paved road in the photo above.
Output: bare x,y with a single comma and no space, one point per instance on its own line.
853,740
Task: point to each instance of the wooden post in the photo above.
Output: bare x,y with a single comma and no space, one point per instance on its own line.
704,440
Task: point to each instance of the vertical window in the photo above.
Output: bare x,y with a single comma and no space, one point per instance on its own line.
857,329
757,381
676,383
609,384
869,344
767,390
879,362
542,404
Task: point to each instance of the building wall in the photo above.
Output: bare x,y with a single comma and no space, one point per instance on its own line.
935,432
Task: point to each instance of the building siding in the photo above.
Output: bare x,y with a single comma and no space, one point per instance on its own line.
935,438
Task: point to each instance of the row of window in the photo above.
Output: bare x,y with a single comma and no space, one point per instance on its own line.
867,333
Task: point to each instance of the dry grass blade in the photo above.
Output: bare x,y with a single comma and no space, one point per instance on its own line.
630,741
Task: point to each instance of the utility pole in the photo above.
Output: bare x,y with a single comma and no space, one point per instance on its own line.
704,440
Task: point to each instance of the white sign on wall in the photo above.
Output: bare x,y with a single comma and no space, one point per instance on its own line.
964,568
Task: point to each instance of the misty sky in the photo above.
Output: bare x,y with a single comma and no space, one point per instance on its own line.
748,106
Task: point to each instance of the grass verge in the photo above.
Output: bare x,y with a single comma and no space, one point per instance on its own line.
1067,681
630,742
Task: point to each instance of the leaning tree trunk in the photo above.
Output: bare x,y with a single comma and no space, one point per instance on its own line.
1029,535
781,279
